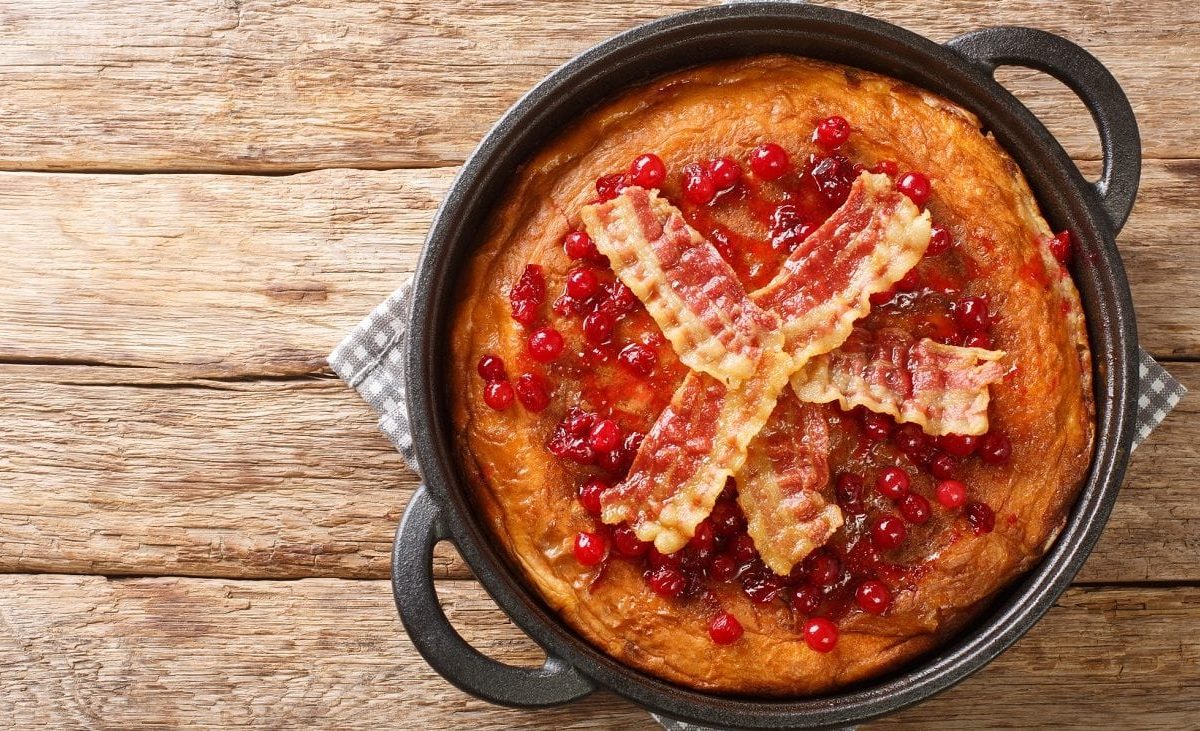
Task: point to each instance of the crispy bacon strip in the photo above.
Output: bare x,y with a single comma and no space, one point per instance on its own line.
865,247
698,442
703,436
734,348
688,288
943,388
779,486
825,285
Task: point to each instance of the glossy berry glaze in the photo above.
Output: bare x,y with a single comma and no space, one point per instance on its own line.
902,492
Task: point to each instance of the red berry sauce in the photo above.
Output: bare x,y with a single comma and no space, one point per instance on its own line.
981,518
638,359
942,466
597,362
995,448
582,284
888,532
545,344
915,509
532,392
886,167
578,245
605,436
850,489
1060,246
939,241
892,482
527,295
951,494
971,314
590,492
627,544
610,186
959,445
666,581
598,327
491,368
725,172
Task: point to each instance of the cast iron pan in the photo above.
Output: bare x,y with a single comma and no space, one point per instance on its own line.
961,70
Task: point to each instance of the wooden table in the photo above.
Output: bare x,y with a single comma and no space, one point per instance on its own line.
199,197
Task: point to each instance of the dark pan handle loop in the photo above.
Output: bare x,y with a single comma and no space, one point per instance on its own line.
443,648
1091,82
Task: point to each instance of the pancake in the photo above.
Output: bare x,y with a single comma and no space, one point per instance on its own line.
527,467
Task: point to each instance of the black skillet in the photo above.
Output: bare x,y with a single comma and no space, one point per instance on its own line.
961,70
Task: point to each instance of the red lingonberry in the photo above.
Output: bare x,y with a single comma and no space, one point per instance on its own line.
832,132
725,629
820,634
769,161
873,596
590,548
647,171
951,494
916,186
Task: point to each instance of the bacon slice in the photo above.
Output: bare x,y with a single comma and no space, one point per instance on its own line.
943,388
779,486
825,285
703,436
698,442
688,288
865,247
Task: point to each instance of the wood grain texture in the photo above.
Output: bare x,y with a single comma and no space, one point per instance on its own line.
89,651
112,474
1155,246
273,85
204,275
124,471
229,275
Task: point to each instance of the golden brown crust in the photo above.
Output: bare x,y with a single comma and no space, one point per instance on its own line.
1044,406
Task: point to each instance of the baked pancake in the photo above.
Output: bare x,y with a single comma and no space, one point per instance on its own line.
768,374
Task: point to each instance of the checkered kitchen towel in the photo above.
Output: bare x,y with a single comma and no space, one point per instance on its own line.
371,360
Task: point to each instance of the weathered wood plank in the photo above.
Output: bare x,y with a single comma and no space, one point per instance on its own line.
124,471
262,85
206,275
90,652
232,275
1152,248
247,479
86,651
1087,665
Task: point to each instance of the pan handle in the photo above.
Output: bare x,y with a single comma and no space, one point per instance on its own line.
1091,82
443,648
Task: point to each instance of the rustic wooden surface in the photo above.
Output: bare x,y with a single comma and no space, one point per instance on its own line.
198,197
279,654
